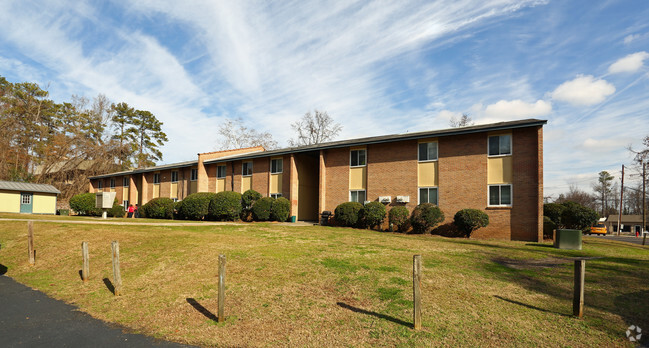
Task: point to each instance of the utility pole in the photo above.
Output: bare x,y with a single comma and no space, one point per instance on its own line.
644,199
619,219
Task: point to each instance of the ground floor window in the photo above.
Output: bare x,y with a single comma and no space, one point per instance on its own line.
500,195
428,195
175,199
357,196
26,198
125,204
276,195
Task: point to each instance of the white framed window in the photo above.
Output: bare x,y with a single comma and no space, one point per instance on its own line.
156,178
357,196
175,199
194,174
500,145
276,165
357,158
246,168
428,195
125,204
174,176
500,195
428,151
26,198
126,182
275,195
112,182
220,171
100,184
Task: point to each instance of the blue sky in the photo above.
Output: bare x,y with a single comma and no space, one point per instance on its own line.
378,67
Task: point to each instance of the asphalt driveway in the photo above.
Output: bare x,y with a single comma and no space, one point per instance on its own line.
623,238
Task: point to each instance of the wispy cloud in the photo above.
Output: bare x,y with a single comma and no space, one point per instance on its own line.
629,64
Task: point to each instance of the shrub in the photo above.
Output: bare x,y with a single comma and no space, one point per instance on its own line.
249,198
225,205
195,206
177,206
261,209
116,211
346,214
577,216
84,204
548,227
158,208
553,212
372,214
469,220
280,209
425,216
398,218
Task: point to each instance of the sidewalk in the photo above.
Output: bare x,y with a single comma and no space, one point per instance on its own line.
28,318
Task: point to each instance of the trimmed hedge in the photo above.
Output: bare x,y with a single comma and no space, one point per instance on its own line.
469,220
116,211
553,212
577,216
195,206
548,228
372,214
346,214
425,216
158,208
249,198
225,205
398,218
280,209
84,204
261,209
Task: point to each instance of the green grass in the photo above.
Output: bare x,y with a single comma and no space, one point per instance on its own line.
322,286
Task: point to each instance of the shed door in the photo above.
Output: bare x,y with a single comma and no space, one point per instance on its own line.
26,202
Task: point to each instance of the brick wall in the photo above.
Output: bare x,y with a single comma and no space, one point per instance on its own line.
260,175
337,177
392,171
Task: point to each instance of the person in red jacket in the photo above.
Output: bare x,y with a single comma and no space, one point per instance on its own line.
130,211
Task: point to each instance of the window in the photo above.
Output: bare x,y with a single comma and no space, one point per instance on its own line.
428,195
175,199
126,182
246,169
156,178
194,174
275,195
174,176
500,145
100,184
428,151
500,195
276,166
357,158
357,196
125,204
220,171
26,198
112,182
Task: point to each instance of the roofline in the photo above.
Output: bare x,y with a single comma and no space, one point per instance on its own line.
148,169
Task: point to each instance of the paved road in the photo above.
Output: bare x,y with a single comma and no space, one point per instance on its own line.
623,238
28,318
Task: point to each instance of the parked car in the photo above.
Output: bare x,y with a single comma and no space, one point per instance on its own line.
598,229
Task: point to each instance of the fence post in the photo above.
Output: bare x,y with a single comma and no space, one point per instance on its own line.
578,298
221,315
85,270
30,242
416,291
117,277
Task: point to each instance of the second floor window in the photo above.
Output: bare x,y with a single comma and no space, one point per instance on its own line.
247,169
500,145
174,176
112,182
100,184
156,178
428,151
194,174
220,172
357,158
276,166
126,181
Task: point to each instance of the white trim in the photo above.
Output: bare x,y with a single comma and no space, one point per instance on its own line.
350,195
511,145
277,195
511,194
191,171
428,160
251,168
427,187
271,165
350,158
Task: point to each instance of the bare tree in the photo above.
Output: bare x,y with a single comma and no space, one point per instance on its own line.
234,135
463,121
603,188
574,194
314,128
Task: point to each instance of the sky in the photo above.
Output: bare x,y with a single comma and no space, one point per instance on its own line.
376,67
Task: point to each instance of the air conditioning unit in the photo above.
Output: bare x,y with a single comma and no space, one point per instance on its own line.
385,199
364,203
403,199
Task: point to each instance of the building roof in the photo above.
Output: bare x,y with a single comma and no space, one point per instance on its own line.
626,218
148,169
27,187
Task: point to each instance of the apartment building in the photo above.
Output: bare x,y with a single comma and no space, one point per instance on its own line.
497,168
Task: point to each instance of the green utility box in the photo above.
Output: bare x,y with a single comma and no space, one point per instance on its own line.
568,239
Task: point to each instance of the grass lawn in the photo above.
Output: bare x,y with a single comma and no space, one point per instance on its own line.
94,218
323,286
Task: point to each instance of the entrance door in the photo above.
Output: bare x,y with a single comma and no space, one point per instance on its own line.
26,202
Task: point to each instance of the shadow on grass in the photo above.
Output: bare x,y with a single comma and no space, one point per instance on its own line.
544,245
109,285
374,314
3,269
530,306
204,311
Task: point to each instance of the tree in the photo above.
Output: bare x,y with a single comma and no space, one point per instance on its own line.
234,135
577,216
314,128
146,129
469,220
463,121
576,195
123,116
603,187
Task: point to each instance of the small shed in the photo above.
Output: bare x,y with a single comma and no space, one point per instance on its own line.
23,197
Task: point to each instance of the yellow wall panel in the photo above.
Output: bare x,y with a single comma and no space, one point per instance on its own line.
427,174
246,183
174,190
156,190
193,187
276,183
44,204
125,192
499,170
358,178
10,202
220,185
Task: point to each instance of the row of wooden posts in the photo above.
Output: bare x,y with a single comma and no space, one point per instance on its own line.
577,306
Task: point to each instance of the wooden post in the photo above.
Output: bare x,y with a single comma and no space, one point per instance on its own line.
619,219
221,315
416,291
85,270
578,298
117,277
30,243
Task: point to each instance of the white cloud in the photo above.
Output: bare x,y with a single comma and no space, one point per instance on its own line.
630,38
512,109
583,90
629,64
